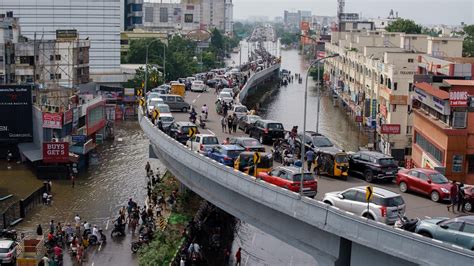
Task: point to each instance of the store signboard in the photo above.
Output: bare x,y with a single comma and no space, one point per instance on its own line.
51,120
392,129
55,152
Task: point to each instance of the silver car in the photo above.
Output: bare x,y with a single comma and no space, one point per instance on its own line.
8,251
383,207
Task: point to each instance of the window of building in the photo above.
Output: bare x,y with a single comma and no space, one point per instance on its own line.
428,147
457,163
470,163
136,7
163,14
410,60
459,119
444,42
148,14
410,86
123,42
409,129
395,86
58,57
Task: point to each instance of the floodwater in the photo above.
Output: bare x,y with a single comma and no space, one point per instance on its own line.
99,193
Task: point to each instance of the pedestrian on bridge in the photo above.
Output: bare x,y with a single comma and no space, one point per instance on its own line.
453,194
235,121
224,123
230,122
238,256
309,157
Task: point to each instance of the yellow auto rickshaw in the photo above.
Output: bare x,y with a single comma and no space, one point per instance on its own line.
333,162
178,89
245,163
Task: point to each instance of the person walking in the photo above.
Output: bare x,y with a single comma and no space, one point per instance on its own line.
73,181
309,157
234,123
461,196
453,195
238,256
224,123
147,167
230,121
225,108
39,230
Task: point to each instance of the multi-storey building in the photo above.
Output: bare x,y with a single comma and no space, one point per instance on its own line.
443,135
9,34
374,77
132,14
96,20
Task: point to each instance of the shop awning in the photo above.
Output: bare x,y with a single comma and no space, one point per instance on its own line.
31,151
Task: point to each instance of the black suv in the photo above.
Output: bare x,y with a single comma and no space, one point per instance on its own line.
315,141
180,131
267,130
373,166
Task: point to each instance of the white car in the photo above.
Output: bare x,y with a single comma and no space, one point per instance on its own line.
151,103
202,143
229,90
239,110
198,85
163,108
165,121
225,97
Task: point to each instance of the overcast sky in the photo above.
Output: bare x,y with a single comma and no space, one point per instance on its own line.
451,12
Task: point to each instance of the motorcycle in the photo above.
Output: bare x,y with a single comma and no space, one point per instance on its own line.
9,233
118,229
192,118
202,124
405,223
142,239
94,241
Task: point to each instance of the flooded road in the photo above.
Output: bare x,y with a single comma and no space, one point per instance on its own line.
100,192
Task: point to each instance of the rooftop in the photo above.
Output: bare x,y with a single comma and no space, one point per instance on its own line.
434,91
459,82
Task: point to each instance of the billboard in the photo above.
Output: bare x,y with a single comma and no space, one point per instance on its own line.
51,120
304,26
16,119
390,129
55,152
458,98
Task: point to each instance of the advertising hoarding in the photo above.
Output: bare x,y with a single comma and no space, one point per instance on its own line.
458,98
53,120
16,120
55,152
392,129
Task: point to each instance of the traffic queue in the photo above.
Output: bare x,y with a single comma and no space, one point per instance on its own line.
284,166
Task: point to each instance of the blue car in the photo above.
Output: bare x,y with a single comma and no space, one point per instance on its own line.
225,154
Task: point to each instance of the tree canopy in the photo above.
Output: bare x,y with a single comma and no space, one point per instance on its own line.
404,25
468,44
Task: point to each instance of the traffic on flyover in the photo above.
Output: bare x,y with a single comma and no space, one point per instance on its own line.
366,183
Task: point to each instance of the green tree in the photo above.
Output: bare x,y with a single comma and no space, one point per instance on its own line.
154,78
468,44
404,25
217,41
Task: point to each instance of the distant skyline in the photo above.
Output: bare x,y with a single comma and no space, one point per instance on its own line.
450,12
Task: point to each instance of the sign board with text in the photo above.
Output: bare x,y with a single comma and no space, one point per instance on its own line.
55,152
392,129
51,120
16,122
458,98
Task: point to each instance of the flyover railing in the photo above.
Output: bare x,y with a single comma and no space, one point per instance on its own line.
254,78
375,235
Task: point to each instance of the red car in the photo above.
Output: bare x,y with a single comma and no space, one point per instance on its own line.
424,181
290,178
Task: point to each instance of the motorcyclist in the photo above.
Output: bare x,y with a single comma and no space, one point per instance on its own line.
95,232
58,251
205,110
192,115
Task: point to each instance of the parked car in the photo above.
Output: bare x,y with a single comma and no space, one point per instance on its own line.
249,144
425,181
225,154
198,85
290,178
202,143
151,103
267,130
314,141
8,251
247,121
469,192
383,207
459,231
180,131
212,83
239,110
373,166
225,97
164,121
229,90
163,108
152,94
175,102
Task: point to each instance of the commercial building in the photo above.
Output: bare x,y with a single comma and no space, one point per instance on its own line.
96,20
188,15
374,77
443,133
132,14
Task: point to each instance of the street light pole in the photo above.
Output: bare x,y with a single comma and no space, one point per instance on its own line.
303,140
318,87
164,63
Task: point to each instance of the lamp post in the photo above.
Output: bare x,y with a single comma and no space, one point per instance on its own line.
146,63
303,140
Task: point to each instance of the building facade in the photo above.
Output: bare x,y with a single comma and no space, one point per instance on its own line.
374,78
96,20
132,14
443,136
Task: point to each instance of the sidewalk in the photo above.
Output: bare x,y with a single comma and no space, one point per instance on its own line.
18,181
